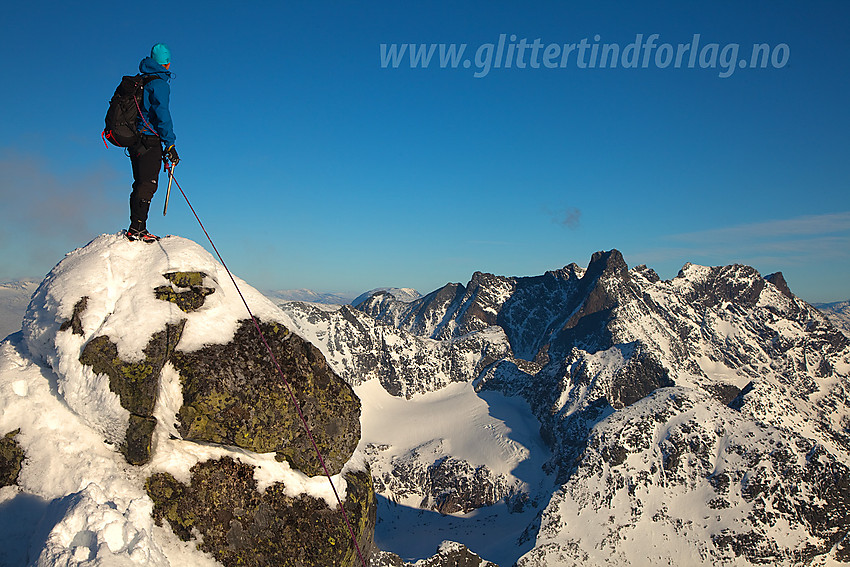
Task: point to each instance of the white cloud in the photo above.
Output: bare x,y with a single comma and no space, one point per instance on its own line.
810,240
809,225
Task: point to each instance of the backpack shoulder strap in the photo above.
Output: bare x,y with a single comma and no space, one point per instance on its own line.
148,77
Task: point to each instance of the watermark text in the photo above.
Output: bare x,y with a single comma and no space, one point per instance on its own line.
644,52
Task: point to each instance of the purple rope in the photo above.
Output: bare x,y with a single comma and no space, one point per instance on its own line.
279,371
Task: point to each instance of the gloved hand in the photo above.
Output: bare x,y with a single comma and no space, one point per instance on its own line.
171,155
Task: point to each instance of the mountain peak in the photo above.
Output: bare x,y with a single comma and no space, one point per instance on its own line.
610,263
151,396
778,280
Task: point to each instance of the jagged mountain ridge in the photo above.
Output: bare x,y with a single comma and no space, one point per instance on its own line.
589,347
361,348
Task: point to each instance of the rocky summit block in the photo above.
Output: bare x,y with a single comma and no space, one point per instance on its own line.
186,290
135,383
149,347
233,395
240,525
11,458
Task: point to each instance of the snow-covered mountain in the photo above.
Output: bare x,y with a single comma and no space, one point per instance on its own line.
404,294
308,295
837,312
587,416
14,297
701,420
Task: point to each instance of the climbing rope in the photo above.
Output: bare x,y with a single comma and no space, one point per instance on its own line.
169,167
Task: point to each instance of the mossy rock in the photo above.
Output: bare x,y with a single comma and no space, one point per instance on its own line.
233,395
238,525
11,459
135,383
189,299
137,444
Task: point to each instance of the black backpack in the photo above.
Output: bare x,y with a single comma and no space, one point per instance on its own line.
123,112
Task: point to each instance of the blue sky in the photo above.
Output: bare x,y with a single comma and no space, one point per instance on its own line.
315,167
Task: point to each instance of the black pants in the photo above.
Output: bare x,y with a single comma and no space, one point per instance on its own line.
146,158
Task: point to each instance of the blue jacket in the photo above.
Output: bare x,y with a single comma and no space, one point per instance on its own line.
155,111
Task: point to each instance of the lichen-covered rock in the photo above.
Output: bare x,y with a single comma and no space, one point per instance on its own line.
137,445
136,341
233,395
190,293
11,457
239,525
135,383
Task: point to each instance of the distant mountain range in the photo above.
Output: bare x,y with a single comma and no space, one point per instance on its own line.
309,296
14,298
838,313
697,421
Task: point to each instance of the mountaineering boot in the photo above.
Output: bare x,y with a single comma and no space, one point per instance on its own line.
138,218
138,212
143,235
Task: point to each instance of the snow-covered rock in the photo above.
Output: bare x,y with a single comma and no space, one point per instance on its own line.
404,294
152,421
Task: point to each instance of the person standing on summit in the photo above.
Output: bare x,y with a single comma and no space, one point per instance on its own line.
156,140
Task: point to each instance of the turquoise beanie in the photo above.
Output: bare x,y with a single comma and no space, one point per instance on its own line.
161,54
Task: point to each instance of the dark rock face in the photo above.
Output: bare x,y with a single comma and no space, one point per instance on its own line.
232,394
737,284
74,323
641,376
778,280
135,383
11,458
239,525
459,487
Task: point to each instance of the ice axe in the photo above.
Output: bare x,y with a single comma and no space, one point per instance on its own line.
170,169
